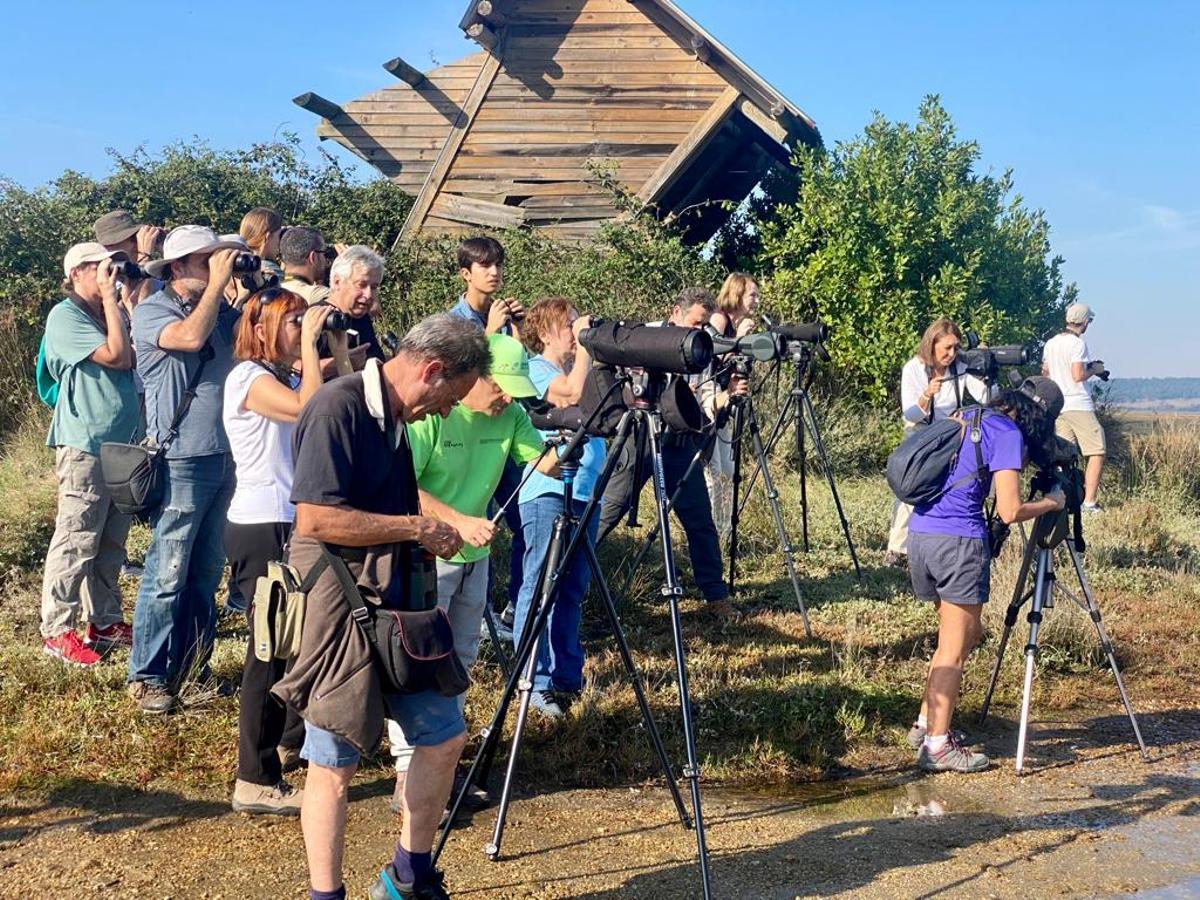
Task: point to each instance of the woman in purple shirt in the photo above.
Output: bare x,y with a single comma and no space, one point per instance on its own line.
949,559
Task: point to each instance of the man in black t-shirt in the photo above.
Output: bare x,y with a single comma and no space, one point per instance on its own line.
354,490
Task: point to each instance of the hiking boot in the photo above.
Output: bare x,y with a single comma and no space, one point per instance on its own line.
895,560
266,800
152,699
725,611
68,648
546,702
289,759
389,887
916,736
118,634
953,757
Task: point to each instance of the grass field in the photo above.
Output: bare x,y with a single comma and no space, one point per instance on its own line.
772,706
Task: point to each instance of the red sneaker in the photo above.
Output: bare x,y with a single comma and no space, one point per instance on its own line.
70,649
119,634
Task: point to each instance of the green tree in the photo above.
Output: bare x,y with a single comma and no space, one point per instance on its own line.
896,228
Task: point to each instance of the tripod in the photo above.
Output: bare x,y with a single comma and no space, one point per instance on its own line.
798,409
568,537
1049,533
745,420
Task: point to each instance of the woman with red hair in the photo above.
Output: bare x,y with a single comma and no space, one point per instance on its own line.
263,398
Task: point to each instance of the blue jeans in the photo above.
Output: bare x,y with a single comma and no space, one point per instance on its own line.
174,621
560,659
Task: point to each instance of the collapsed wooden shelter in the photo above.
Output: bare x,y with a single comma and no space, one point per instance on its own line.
510,136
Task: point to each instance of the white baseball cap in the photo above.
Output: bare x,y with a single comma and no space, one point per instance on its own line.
186,240
88,252
1079,313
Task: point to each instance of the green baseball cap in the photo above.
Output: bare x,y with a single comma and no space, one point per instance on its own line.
510,366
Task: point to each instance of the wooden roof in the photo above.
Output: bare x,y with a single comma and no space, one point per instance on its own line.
507,136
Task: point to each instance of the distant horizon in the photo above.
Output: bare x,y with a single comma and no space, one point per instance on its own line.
1106,151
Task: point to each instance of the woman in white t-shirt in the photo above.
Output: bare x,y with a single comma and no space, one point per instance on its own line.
933,386
263,398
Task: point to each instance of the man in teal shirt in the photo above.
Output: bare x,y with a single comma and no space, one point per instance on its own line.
88,354
458,462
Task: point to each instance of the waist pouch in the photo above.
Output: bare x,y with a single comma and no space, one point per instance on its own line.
132,475
279,598
413,650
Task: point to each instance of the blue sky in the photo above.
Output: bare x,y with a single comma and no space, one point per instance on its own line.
1095,105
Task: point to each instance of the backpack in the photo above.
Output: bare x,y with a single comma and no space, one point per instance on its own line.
917,470
47,387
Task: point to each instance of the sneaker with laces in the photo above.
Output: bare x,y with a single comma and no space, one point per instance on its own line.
152,699
388,886
265,799
916,736
953,757
118,634
546,702
68,648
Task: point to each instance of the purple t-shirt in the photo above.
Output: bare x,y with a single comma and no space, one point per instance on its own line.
959,512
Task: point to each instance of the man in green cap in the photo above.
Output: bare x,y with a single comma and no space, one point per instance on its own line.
458,461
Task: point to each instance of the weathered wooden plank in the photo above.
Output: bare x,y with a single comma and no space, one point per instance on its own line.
495,131
544,217
315,103
581,29
646,96
513,187
523,42
618,54
518,163
525,18
673,166
430,132
700,77
684,110
476,212
402,70
566,201
454,140
614,66
771,126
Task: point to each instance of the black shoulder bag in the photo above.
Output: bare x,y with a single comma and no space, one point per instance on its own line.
414,651
133,472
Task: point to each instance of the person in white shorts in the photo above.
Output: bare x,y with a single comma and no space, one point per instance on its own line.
1068,362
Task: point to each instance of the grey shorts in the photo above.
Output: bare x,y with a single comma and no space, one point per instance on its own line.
948,567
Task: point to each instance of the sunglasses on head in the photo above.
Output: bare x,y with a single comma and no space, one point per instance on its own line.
270,295
329,253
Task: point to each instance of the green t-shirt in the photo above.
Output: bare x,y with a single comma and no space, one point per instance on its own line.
459,459
95,403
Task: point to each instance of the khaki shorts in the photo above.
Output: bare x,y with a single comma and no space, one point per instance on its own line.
1082,427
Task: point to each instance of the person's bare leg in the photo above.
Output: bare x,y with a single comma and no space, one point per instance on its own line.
426,790
1091,478
323,821
958,631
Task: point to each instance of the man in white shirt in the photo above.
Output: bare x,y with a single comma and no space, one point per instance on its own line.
1068,362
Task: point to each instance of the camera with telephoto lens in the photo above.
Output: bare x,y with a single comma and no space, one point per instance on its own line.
336,321
1057,470
246,262
635,345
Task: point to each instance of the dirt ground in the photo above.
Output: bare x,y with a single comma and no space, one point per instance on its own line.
1090,819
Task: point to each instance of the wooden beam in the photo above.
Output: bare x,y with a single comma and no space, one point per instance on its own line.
315,103
486,9
483,35
404,71
470,211
458,131
700,48
673,166
769,125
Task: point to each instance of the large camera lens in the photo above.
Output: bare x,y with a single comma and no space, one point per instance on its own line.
809,332
634,345
246,262
336,321
128,269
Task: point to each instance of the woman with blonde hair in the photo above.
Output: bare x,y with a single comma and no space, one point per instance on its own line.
734,318
261,229
934,385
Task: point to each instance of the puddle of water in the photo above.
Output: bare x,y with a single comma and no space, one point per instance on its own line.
867,799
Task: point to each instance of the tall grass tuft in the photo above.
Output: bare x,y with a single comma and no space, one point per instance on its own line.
1165,460
27,494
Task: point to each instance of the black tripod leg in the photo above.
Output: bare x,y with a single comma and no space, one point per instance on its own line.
1019,598
785,539
672,591
802,457
735,516
489,619
1093,610
1042,586
777,429
635,681
837,500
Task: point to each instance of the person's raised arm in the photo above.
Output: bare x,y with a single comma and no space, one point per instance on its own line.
116,352
356,528
917,392
565,390
190,334
278,402
1009,506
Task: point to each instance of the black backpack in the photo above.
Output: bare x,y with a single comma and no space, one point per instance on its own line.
917,470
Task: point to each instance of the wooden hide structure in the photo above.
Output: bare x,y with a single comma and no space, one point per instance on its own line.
506,137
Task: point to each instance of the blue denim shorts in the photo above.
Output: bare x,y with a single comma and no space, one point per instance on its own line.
427,719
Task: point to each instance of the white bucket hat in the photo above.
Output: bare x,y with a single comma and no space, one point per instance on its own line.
186,240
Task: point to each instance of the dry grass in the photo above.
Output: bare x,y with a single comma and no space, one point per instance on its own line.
771,705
